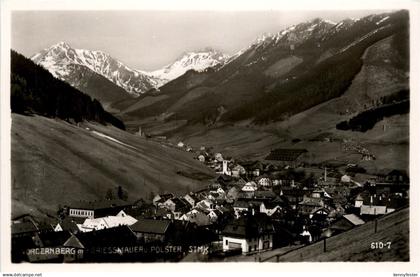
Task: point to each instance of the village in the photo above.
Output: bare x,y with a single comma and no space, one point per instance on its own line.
252,207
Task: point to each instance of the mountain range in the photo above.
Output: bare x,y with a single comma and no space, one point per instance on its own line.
108,79
279,74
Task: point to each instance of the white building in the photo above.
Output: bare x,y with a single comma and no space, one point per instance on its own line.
250,186
100,223
250,234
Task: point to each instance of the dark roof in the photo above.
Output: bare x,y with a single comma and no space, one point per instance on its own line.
245,194
180,204
246,204
23,227
23,217
193,196
272,204
285,154
51,239
311,201
249,226
164,197
225,178
251,165
75,219
44,227
118,236
101,204
151,226
68,224
264,194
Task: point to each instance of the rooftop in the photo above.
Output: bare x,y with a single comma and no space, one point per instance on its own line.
288,155
249,226
152,226
23,227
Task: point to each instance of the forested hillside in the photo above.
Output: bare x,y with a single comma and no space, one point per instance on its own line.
35,90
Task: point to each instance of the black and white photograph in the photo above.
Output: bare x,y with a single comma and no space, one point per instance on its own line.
145,136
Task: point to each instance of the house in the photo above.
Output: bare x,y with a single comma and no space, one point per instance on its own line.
374,204
151,230
93,209
180,144
47,242
202,194
397,176
206,204
238,171
224,180
345,223
264,181
192,199
218,157
67,224
253,168
214,215
251,234
161,198
270,208
101,245
23,229
284,157
232,194
196,216
306,236
250,187
345,179
256,172
320,193
201,158
178,206
308,204
240,207
293,195
264,195
107,222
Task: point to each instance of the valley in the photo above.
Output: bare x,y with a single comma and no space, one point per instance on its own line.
302,135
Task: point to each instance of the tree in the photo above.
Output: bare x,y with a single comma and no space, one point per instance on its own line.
109,195
121,193
151,196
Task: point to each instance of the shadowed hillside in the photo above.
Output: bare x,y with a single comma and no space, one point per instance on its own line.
35,90
54,162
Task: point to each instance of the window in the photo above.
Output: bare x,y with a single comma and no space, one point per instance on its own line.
226,243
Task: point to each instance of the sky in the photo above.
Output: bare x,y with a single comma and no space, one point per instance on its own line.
149,40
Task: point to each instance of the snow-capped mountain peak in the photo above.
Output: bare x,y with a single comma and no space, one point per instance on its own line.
61,59
198,61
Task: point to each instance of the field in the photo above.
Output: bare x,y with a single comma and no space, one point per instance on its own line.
55,163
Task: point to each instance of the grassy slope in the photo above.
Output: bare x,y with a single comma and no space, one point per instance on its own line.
355,245
54,162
